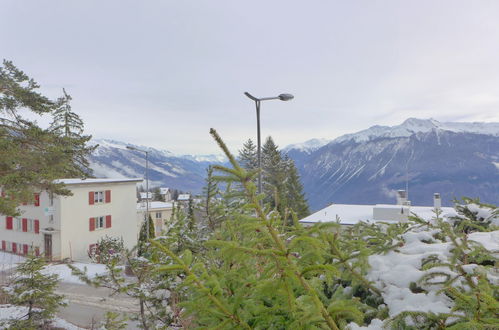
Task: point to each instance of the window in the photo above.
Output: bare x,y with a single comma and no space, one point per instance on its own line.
9,246
18,224
19,248
158,215
51,199
51,218
30,225
99,222
98,197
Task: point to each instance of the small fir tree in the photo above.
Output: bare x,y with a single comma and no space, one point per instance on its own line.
31,288
143,243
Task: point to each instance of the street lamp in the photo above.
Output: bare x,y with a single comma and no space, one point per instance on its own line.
147,186
282,97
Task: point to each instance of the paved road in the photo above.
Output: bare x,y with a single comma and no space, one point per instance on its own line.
88,305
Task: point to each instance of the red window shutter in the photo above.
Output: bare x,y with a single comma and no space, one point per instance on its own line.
4,245
108,196
25,225
14,247
37,199
91,198
25,249
8,223
37,251
37,226
108,221
91,224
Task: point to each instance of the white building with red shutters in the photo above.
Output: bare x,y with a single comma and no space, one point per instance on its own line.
61,227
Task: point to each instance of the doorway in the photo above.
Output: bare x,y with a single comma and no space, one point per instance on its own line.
48,246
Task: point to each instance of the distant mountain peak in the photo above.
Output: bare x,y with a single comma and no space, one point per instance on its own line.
415,125
308,146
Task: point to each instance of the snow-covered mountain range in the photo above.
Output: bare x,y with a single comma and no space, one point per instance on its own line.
166,169
367,167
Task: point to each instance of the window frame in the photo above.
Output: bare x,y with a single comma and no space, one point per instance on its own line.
99,197
100,220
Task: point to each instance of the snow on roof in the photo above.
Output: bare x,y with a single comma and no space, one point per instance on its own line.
144,195
350,214
154,205
183,197
164,191
99,180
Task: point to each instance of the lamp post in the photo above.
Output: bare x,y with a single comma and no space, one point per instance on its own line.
282,97
147,186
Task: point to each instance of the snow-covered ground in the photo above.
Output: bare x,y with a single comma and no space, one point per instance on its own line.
9,260
64,272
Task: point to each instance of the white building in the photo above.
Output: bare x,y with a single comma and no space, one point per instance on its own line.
350,214
146,196
166,194
160,212
61,227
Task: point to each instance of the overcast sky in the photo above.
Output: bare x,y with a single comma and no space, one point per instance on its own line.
162,72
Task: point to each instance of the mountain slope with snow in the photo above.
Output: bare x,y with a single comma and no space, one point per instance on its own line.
187,173
454,159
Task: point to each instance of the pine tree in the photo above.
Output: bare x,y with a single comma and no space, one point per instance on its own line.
31,288
248,155
281,181
65,121
156,194
211,205
31,158
274,176
69,126
143,243
295,195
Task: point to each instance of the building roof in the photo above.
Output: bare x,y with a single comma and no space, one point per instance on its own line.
154,205
350,214
183,197
164,191
145,195
94,181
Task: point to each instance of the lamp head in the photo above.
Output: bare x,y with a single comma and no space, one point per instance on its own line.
285,97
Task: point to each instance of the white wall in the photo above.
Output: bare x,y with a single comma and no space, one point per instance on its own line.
75,211
31,238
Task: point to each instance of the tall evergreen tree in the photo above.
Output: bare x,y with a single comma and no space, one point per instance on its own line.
31,158
248,155
274,176
295,195
281,182
69,126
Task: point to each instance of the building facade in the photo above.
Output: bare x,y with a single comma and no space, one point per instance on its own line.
68,227
160,212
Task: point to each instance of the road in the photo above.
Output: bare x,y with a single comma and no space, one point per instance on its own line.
88,305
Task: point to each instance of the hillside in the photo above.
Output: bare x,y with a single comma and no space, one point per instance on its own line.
455,159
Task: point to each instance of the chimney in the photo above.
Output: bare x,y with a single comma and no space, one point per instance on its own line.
401,197
437,201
